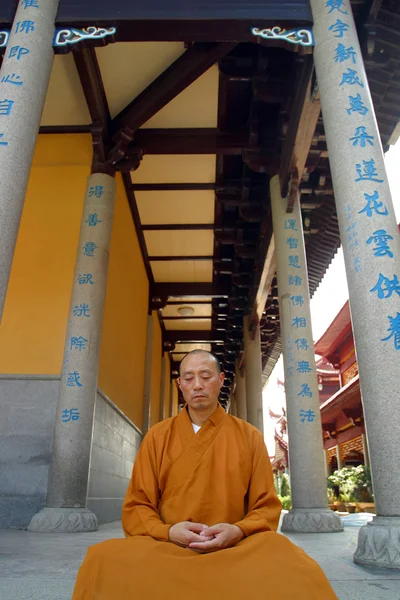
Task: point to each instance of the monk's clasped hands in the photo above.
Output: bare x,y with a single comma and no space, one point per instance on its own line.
201,538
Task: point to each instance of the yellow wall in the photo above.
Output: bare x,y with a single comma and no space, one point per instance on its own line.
122,356
33,327
35,315
155,372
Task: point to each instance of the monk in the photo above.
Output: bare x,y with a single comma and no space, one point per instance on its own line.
200,513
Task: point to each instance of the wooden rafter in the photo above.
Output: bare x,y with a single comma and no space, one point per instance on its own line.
136,220
92,86
302,124
93,90
177,77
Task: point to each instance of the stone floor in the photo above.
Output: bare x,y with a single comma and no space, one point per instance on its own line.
43,566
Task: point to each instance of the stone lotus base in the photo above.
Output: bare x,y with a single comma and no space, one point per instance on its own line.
379,543
311,520
63,520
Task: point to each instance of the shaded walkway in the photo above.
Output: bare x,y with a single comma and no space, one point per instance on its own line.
43,566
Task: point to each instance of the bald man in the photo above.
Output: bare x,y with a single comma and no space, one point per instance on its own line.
201,513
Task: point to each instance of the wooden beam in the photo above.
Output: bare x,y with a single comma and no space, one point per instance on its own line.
180,302
180,318
180,227
93,89
190,141
193,337
92,85
64,129
167,258
302,124
174,187
182,289
136,219
265,284
177,77
176,11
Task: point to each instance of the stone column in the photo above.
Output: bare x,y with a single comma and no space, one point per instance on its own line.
175,400
147,375
310,512
339,457
233,405
326,466
164,396
68,478
171,399
162,390
371,248
24,78
240,391
365,449
252,355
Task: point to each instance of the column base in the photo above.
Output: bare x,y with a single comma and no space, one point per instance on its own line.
379,543
311,520
63,520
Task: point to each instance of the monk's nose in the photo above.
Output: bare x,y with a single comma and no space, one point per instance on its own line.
197,383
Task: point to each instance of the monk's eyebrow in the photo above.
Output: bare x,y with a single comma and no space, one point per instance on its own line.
205,370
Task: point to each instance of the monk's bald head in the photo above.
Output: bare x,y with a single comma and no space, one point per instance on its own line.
207,354
200,380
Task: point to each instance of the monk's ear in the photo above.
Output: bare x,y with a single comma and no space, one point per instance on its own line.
221,378
179,382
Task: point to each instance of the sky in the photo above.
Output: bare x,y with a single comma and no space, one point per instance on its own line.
329,298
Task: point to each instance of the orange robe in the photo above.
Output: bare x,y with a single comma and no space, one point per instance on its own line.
222,474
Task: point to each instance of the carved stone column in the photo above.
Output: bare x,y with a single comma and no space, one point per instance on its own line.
371,249
233,405
163,398
24,79
147,375
252,353
69,471
240,391
310,512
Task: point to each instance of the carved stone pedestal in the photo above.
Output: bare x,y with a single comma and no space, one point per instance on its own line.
63,520
311,520
379,543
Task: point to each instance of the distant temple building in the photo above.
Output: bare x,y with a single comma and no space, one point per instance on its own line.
342,413
340,401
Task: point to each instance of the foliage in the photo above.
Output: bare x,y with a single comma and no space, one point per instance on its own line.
286,502
282,486
353,483
331,495
285,485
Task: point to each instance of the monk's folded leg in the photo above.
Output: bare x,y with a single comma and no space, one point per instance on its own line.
269,565
265,565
